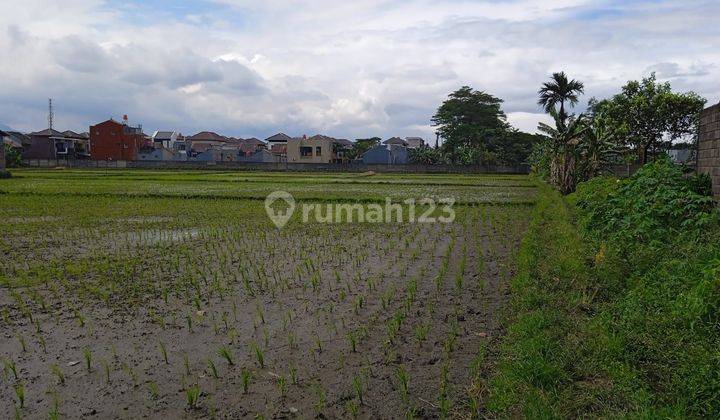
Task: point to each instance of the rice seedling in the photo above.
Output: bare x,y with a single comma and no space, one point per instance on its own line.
292,341
163,352
320,398
225,353
259,356
266,336
358,388
245,377
403,380
186,363
213,369
352,408
293,374
106,370
443,398
10,365
21,340
282,385
153,390
420,332
54,413
192,395
20,394
352,339
43,345
59,375
87,355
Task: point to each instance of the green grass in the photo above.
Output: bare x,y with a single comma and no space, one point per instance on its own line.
234,185
592,334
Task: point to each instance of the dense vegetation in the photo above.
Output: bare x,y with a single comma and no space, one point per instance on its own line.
475,131
640,123
620,316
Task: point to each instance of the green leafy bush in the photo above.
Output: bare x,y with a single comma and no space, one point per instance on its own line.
652,206
13,158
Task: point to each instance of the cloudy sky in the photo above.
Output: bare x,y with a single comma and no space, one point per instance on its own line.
343,68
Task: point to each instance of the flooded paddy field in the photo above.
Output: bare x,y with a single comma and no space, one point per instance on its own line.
127,294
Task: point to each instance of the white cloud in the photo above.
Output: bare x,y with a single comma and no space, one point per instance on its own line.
527,121
350,69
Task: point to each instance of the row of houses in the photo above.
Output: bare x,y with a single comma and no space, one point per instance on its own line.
113,140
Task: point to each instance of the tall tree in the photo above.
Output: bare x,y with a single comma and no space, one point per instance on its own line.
648,113
565,139
560,90
469,119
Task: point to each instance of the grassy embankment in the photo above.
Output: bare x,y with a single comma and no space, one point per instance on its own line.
616,307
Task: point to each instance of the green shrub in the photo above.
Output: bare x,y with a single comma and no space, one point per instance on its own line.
653,206
13,158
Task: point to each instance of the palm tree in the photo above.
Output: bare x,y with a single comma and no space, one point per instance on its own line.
558,91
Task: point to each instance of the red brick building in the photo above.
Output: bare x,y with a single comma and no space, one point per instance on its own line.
112,140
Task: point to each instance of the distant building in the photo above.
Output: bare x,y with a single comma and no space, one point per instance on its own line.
414,142
165,139
261,156
15,140
316,149
160,154
395,141
251,146
112,140
76,145
390,154
204,140
682,156
42,145
277,144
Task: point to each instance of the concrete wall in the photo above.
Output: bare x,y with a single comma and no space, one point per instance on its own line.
294,147
268,166
708,160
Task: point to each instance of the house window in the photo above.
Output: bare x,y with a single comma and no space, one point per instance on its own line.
318,151
306,151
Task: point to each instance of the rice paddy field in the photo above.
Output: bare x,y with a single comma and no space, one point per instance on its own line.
128,294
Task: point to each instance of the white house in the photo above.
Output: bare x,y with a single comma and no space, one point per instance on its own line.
165,139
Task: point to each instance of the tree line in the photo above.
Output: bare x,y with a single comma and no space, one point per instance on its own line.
642,121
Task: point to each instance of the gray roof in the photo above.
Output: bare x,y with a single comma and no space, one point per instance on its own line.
206,136
321,137
48,133
73,135
395,140
17,137
163,135
344,142
253,140
278,137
